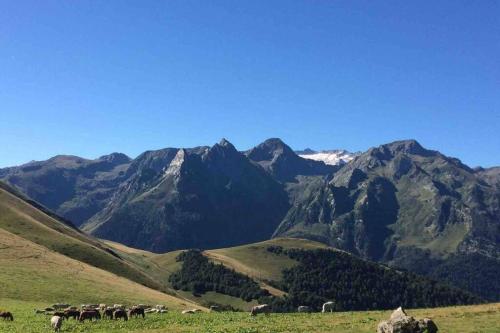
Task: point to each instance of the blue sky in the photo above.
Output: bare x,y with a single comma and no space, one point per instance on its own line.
92,77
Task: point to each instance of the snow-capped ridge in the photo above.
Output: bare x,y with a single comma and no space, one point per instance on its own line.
330,157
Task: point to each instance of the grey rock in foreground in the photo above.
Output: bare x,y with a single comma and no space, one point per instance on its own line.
400,322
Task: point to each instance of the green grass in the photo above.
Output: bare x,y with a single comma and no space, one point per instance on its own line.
469,319
31,272
20,218
254,259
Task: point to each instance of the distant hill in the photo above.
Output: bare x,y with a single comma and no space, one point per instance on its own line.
292,272
71,186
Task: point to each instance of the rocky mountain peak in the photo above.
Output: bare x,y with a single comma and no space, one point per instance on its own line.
222,150
270,149
411,147
115,158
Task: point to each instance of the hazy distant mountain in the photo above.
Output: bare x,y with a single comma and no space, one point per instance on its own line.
330,157
71,186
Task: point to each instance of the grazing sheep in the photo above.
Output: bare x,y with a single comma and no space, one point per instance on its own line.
94,307
160,307
90,315
328,307
6,315
136,312
264,308
108,313
303,308
56,323
75,314
119,313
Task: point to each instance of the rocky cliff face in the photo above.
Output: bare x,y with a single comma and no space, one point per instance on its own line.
202,198
400,203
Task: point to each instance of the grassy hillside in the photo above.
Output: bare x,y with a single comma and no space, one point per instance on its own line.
30,272
45,259
465,319
21,218
254,260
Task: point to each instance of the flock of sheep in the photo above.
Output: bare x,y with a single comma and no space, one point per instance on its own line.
60,312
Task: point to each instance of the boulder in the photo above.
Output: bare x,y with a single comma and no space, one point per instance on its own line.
400,322
427,325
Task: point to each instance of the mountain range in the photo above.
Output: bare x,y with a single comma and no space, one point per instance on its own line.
399,204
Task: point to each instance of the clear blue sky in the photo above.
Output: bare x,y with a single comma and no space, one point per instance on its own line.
92,77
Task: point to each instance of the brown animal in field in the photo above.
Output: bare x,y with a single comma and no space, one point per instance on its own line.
56,323
108,313
136,312
75,314
119,313
264,308
90,315
6,315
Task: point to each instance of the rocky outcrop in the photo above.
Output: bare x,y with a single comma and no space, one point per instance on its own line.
400,322
400,199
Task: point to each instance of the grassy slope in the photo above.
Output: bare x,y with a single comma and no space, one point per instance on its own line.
467,319
160,266
253,260
44,259
19,217
31,272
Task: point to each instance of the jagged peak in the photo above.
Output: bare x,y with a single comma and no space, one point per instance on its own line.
223,145
224,142
269,149
223,149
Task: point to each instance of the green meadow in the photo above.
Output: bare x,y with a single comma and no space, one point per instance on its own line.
465,319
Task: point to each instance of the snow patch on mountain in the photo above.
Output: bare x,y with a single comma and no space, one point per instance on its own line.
331,157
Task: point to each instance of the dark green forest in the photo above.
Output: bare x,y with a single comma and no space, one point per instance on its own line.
321,275
355,284
199,275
